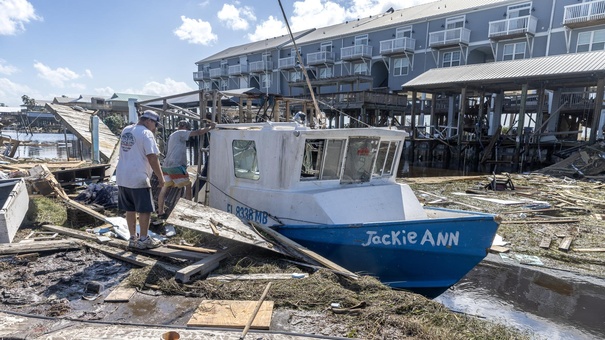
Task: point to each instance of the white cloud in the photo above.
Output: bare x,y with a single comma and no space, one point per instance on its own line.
14,14
236,18
269,28
168,87
88,73
6,68
316,13
195,31
57,77
104,91
11,92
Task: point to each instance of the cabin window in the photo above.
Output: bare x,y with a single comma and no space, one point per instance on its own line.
322,159
360,155
385,159
245,161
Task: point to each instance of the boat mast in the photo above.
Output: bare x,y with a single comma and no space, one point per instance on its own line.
304,71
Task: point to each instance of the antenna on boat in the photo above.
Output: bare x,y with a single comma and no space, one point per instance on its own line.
304,70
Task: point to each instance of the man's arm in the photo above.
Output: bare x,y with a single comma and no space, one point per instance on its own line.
154,161
200,132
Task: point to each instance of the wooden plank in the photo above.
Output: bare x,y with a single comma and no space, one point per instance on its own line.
196,216
120,294
201,267
231,314
122,244
192,248
589,250
38,246
545,243
543,221
303,253
566,243
498,249
127,256
258,276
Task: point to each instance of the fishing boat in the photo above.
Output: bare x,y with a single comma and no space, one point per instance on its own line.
335,192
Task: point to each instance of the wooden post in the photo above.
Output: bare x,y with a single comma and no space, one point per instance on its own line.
248,110
241,109
460,129
287,114
596,115
256,309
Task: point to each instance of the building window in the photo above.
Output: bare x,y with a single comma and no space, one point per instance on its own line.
224,85
265,80
243,82
325,72
591,41
516,11
514,51
451,59
454,22
401,66
361,39
360,68
326,47
403,32
295,76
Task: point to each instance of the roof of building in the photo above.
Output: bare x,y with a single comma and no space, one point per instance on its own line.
254,47
565,70
400,17
63,100
125,96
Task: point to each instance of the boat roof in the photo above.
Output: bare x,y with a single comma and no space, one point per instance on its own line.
286,127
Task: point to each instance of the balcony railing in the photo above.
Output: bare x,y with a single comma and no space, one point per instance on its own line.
218,72
398,45
237,70
201,75
512,27
449,37
356,52
584,12
285,63
260,66
323,57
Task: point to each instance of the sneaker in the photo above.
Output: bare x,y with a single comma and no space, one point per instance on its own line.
147,243
132,242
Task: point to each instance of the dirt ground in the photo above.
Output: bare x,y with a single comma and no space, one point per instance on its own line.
54,284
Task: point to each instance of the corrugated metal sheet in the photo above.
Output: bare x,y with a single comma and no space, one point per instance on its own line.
574,64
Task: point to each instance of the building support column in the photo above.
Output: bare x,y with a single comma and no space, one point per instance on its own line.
598,111
460,125
520,128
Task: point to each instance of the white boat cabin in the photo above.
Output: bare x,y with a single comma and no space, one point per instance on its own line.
287,173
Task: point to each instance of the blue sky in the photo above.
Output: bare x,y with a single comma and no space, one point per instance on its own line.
91,47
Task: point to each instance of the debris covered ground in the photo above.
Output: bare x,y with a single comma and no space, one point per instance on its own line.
557,221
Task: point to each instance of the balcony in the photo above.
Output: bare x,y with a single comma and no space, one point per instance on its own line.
512,28
238,70
287,63
260,66
450,37
201,75
356,52
218,73
398,45
318,58
584,14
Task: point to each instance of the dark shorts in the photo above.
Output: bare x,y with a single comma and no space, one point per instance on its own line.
139,199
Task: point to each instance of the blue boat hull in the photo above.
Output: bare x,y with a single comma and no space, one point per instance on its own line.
425,256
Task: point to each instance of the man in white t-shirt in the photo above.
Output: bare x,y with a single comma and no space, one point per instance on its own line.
138,160
174,168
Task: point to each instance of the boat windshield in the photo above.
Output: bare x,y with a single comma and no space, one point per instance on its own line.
349,160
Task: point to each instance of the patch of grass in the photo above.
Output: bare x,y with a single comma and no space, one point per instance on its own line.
45,210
